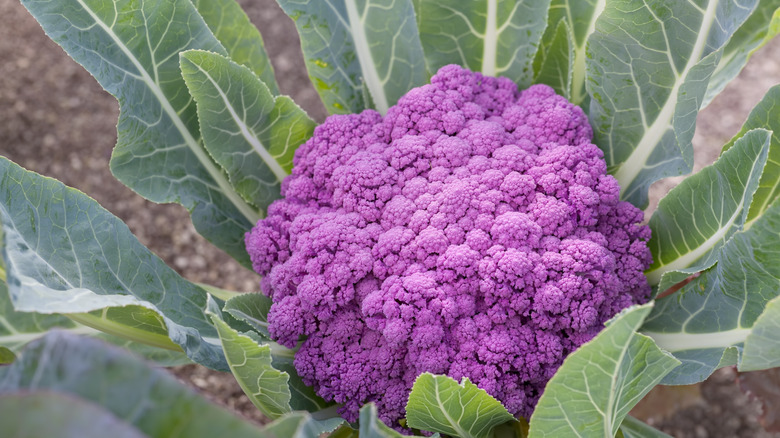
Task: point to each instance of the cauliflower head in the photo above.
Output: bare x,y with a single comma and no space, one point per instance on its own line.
473,231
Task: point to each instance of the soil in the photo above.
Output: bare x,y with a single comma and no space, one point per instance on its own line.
56,120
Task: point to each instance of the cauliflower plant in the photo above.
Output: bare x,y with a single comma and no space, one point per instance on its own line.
473,231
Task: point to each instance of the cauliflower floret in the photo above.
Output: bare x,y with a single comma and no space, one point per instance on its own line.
473,232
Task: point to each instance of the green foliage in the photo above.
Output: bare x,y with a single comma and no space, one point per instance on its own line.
706,323
133,52
247,130
556,62
201,124
702,213
647,77
360,53
66,254
495,37
46,414
592,392
143,397
441,404
633,428
578,18
252,309
764,115
250,363
372,427
241,39
302,425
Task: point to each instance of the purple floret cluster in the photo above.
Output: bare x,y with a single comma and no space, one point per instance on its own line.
473,231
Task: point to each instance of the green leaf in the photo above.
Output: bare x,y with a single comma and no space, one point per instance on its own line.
494,37
599,383
132,48
633,428
45,414
372,427
440,404
706,323
556,63
239,36
648,67
148,398
19,328
345,431
579,17
252,308
702,213
762,26
66,254
762,346
764,115
6,356
136,323
302,425
360,53
251,364
249,132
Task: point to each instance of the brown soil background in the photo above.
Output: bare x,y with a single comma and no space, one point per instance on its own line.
56,120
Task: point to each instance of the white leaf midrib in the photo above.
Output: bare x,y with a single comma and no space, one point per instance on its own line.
579,70
490,40
357,30
681,341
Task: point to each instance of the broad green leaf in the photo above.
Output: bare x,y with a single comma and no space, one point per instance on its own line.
579,17
66,254
239,36
18,328
633,428
345,431
556,65
148,398
372,427
6,356
131,47
762,26
762,345
441,404
251,364
360,53
49,414
599,383
764,115
702,213
648,67
302,425
222,294
303,396
249,132
252,308
132,322
706,323
494,37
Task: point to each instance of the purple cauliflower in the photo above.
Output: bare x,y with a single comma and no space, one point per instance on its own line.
473,231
